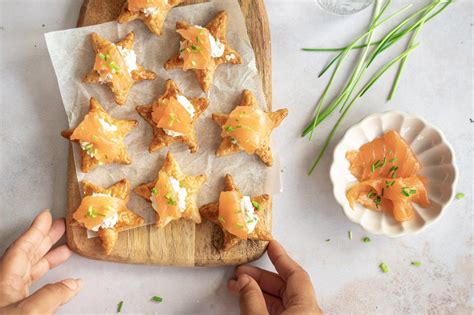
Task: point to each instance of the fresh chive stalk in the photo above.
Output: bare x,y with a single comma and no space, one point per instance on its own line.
361,92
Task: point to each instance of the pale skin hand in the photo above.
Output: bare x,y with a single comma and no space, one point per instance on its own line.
263,292
26,261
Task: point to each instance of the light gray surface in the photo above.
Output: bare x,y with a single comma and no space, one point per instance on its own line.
436,85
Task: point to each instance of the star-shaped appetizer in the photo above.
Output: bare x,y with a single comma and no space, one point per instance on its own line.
104,210
240,217
172,194
101,138
152,12
172,117
203,49
116,66
248,128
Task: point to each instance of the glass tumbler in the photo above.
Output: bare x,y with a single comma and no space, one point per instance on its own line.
344,7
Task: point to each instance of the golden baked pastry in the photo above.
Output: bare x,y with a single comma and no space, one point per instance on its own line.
203,49
152,12
172,193
116,66
248,128
101,138
104,210
240,217
172,117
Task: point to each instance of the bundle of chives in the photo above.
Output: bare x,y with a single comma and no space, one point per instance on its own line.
411,24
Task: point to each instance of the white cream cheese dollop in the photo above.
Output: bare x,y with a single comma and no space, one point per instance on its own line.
251,218
150,11
130,58
188,106
182,194
217,48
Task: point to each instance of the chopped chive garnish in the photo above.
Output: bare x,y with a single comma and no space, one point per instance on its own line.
197,39
366,240
157,298
172,119
383,191
328,240
250,221
229,128
460,195
154,191
389,183
371,194
94,137
390,152
221,219
378,201
416,263
393,160
393,175
350,235
102,56
372,168
119,306
240,225
383,267
238,211
195,49
256,205
407,192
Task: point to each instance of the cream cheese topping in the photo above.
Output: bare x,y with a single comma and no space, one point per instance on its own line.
217,48
150,11
107,126
251,218
130,58
108,222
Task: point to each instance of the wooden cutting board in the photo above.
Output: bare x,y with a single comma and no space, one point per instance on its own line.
148,245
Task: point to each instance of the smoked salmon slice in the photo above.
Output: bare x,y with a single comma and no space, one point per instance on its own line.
95,209
165,198
231,214
196,51
111,66
101,137
250,127
386,156
171,115
391,194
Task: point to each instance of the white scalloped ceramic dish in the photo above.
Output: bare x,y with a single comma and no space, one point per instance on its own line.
430,147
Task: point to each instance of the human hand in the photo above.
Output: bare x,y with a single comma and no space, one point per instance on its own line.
263,292
26,261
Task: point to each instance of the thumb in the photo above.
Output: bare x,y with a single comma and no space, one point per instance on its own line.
251,297
50,297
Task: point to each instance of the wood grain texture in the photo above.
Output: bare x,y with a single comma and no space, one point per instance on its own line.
148,245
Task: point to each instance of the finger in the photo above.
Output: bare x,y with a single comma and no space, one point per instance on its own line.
57,230
251,297
32,238
50,297
52,259
299,289
284,264
268,281
273,303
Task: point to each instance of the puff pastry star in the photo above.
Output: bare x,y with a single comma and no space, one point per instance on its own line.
217,27
116,66
160,138
229,144
126,219
153,15
101,138
263,228
190,183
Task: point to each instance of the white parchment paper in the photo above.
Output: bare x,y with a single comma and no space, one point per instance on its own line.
73,57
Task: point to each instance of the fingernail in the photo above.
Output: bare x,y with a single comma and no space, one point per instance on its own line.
242,281
71,284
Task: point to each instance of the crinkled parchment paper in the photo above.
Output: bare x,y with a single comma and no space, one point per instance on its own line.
73,57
